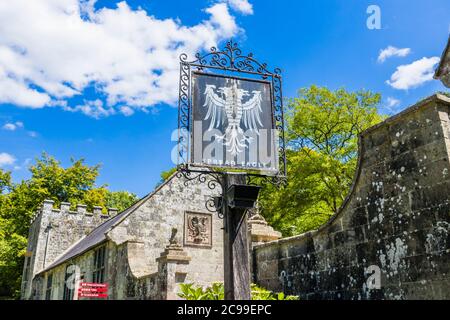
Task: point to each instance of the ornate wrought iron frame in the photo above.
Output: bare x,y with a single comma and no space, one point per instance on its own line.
231,60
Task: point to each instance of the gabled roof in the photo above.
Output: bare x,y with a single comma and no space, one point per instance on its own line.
98,235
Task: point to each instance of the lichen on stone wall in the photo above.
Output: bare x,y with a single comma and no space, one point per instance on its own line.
393,227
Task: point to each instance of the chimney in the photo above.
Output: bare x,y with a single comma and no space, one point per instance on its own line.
81,208
65,206
112,212
97,210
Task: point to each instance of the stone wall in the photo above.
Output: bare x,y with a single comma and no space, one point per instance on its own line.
390,239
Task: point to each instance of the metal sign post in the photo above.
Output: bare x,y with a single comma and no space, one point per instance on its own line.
230,118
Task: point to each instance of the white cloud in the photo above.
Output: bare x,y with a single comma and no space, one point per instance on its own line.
13,126
392,102
414,74
95,109
221,19
391,105
24,165
391,51
126,111
243,6
51,50
6,159
9,126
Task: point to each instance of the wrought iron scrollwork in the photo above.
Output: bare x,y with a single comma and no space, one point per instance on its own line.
229,59
213,179
183,113
258,180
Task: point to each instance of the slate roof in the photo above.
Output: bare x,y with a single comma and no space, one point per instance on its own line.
98,235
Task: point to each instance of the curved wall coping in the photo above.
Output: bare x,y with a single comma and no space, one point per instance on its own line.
437,97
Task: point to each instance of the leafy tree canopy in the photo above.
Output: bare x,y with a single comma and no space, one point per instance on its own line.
322,128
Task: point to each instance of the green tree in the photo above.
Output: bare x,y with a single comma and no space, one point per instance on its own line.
19,201
119,199
166,174
51,181
322,128
5,181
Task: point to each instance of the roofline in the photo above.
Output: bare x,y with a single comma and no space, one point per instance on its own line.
142,200
148,196
438,71
73,257
435,97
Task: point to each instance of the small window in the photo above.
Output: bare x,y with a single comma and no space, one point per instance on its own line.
98,276
48,290
69,285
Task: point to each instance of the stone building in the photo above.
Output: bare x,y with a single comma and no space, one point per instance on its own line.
166,238
443,70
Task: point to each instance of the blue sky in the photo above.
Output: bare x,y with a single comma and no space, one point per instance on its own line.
98,79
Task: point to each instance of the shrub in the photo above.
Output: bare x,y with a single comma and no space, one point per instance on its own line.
189,291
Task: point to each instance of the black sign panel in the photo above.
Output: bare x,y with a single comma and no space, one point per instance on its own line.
233,124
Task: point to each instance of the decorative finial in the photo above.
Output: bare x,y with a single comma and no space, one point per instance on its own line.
172,239
173,243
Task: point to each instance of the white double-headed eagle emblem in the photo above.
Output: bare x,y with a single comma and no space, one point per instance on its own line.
226,104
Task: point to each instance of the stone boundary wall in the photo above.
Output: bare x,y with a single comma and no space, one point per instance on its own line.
390,239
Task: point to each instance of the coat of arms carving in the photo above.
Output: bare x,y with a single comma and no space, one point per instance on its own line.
197,229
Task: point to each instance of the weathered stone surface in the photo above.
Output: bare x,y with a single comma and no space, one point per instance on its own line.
396,219
197,229
260,231
443,70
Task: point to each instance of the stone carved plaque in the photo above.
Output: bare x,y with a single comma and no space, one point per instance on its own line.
198,229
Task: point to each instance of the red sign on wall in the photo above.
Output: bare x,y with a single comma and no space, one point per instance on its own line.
93,290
